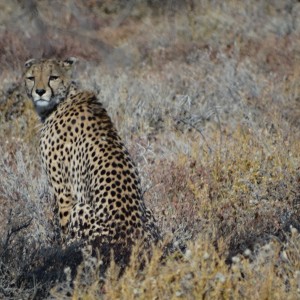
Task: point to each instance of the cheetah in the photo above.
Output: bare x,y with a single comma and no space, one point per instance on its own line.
95,183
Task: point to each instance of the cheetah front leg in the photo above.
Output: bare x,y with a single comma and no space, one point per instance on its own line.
64,204
84,225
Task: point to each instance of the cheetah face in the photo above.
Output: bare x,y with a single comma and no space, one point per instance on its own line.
47,83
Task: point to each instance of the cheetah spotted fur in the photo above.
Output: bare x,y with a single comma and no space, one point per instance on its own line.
95,183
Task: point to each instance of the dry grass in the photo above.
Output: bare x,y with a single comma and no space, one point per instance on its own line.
206,97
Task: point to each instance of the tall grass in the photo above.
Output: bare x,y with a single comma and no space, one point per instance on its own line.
205,96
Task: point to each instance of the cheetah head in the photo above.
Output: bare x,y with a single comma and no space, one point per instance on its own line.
47,83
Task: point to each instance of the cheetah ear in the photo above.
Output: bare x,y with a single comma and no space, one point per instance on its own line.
69,62
29,63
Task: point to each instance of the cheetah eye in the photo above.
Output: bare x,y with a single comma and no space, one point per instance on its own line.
53,77
30,78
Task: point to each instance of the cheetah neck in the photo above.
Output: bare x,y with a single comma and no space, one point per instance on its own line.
72,90
44,113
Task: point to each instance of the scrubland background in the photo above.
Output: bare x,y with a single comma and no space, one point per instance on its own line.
205,95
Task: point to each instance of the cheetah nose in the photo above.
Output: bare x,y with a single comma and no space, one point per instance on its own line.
40,92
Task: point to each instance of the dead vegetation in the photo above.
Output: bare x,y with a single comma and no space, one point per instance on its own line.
206,97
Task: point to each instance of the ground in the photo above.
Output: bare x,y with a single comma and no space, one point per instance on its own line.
206,98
